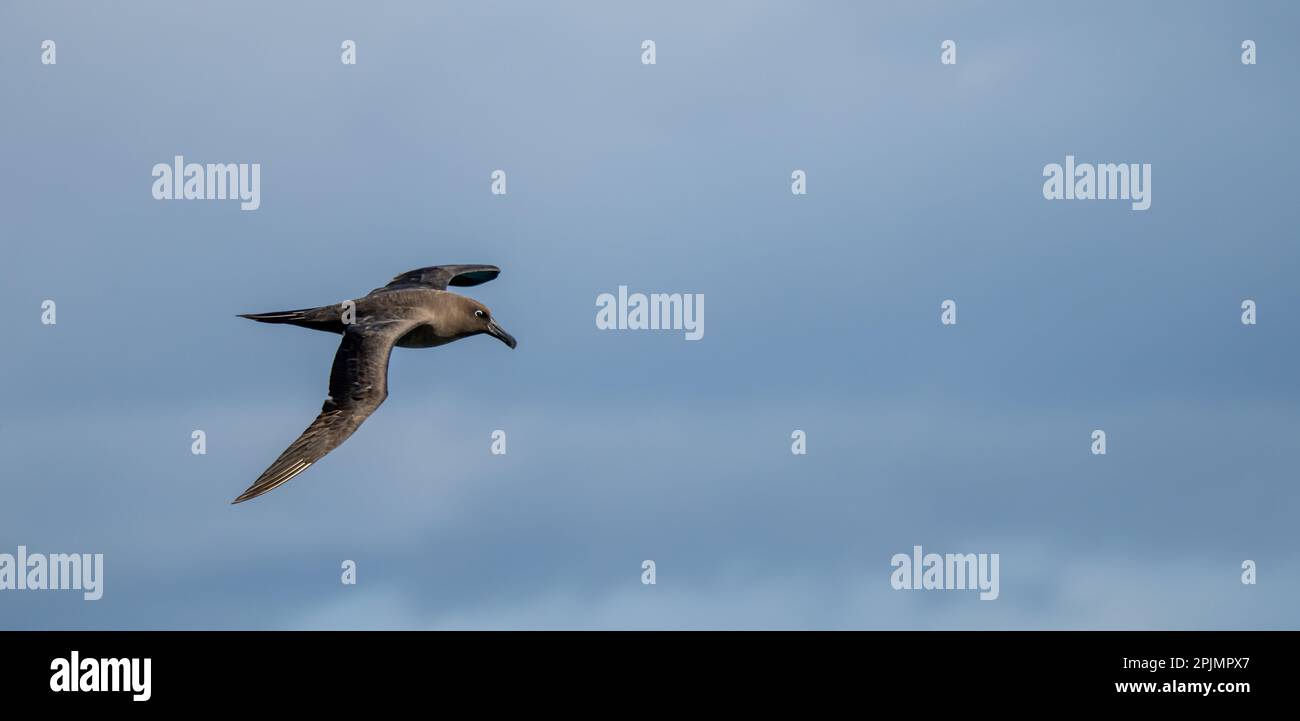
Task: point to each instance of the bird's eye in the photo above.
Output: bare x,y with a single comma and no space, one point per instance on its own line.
480,314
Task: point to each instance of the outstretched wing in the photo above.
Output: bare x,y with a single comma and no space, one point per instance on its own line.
358,384
439,277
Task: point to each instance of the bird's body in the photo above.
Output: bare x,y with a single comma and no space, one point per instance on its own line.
415,310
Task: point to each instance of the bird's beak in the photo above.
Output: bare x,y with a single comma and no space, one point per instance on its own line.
497,332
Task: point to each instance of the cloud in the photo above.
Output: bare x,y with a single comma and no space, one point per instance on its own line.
1059,592
745,534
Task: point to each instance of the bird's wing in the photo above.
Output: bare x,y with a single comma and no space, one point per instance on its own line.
358,384
439,277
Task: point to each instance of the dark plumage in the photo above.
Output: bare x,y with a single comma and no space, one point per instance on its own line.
415,310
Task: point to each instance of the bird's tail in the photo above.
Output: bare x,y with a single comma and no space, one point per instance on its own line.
327,318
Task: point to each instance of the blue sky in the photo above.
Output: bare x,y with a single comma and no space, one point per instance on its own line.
822,313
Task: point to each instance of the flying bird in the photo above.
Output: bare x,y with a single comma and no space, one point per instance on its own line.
415,310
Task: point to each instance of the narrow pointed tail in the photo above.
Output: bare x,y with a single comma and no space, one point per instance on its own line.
326,318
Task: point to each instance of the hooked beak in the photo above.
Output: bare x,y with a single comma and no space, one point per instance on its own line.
499,333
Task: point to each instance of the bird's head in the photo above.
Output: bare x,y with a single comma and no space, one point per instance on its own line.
476,319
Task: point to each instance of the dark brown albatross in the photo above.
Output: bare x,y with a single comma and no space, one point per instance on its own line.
415,310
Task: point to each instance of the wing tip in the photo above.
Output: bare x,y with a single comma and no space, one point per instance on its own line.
274,477
254,491
480,275
441,276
